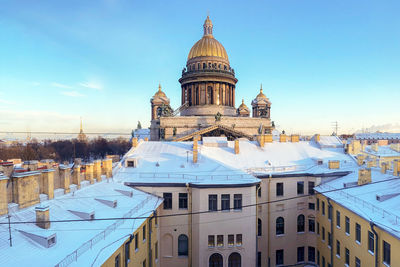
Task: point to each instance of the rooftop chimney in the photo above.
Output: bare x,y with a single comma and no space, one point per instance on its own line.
3,194
195,150
146,139
334,164
282,138
360,159
26,188
97,170
364,176
107,167
384,167
65,178
47,183
76,176
294,138
237,146
43,217
375,147
134,142
396,167
317,137
261,140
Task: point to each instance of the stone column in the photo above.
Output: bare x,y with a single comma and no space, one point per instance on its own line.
198,93
223,94
233,95
97,170
48,183
76,176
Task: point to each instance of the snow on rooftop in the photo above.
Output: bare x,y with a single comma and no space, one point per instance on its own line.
330,141
363,201
75,238
383,151
171,162
377,136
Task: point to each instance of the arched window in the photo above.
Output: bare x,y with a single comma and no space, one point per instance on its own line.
215,260
280,226
204,66
235,260
259,227
300,223
183,245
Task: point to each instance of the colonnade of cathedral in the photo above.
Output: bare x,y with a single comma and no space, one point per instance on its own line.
208,93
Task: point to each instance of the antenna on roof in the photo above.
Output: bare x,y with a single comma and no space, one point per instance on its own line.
335,126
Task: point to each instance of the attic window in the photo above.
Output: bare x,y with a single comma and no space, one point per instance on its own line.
51,241
131,164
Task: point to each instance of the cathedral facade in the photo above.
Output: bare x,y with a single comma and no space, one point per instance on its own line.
208,94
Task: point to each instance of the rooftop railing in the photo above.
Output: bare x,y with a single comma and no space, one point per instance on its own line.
100,236
392,218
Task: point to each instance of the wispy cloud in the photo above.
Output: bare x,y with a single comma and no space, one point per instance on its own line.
35,83
91,85
72,93
3,101
60,85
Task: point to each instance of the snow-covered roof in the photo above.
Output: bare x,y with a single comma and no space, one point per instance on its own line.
171,162
84,238
363,200
377,136
383,151
330,141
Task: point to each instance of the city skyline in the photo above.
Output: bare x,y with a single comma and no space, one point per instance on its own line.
318,62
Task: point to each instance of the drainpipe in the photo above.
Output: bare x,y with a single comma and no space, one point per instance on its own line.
376,243
188,189
149,245
258,188
268,217
330,208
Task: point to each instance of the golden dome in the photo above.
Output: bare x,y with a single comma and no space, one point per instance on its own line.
208,46
243,105
261,94
160,93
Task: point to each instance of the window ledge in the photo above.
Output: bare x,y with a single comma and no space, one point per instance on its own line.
280,235
370,252
168,256
144,241
237,210
348,234
300,233
337,256
358,242
136,250
346,265
387,265
182,256
338,227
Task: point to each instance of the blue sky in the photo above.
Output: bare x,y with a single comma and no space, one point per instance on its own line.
318,61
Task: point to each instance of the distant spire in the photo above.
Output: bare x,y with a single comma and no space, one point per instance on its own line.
159,87
242,100
208,27
261,90
81,128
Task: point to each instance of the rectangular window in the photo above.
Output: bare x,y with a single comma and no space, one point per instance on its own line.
212,202
156,250
259,191
329,239
338,218
358,233
300,254
318,204
259,259
347,258
329,212
220,240
144,263
231,240
358,262
211,241
371,241
311,225
225,202
338,248
311,186
279,257
127,253
318,262
136,241
237,201
311,254
238,240
183,200
323,208
323,261
347,219
300,188
167,201
144,232
323,233
311,206
317,228
279,189
386,252
117,261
